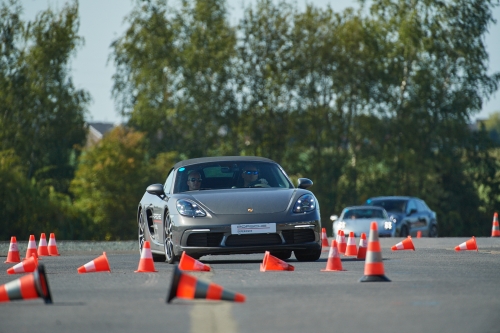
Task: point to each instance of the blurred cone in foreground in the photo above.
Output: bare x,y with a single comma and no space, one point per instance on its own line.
362,247
52,245
468,245
31,250
495,230
42,246
188,263
13,255
146,263
374,267
333,263
351,249
406,244
26,266
189,287
29,286
342,246
271,263
324,238
99,264
419,234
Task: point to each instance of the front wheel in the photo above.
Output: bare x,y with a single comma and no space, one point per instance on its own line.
404,232
434,231
170,256
307,255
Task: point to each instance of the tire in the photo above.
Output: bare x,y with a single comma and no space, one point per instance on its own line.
307,255
168,243
433,232
283,255
404,232
141,233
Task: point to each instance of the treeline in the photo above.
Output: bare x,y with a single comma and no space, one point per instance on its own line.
365,103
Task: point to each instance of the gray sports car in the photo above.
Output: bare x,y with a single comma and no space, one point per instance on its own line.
229,205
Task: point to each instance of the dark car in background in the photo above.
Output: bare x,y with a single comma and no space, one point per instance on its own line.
409,214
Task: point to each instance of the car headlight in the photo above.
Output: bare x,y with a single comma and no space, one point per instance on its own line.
305,203
189,208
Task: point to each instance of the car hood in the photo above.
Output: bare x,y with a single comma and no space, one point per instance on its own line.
239,201
362,225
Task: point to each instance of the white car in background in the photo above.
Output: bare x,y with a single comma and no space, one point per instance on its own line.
358,219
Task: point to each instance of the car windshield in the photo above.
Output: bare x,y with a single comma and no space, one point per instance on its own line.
230,174
352,214
398,206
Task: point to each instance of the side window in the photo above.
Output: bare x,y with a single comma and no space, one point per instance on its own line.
421,206
168,183
411,205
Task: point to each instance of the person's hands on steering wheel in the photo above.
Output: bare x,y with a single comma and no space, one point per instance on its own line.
259,183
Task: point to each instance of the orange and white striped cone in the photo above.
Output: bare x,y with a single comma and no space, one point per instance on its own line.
406,244
469,245
52,245
495,230
31,250
99,264
362,247
351,249
419,234
188,263
42,246
13,255
342,246
334,263
271,263
324,239
338,238
374,267
26,266
146,264
29,286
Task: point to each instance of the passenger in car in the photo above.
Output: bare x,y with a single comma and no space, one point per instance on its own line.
194,180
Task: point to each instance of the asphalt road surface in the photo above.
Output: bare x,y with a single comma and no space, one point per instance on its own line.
432,289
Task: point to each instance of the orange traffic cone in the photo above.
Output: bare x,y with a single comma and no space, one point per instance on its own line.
374,267
351,249
406,244
333,263
324,238
100,264
342,245
42,246
189,287
26,287
13,255
26,266
362,247
146,263
188,263
31,250
419,234
468,245
52,245
271,263
495,230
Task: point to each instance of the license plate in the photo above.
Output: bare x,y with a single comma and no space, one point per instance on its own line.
260,228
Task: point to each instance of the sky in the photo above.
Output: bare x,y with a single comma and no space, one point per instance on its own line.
102,21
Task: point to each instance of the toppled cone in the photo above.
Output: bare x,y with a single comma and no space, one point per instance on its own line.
406,244
362,247
374,267
271,263
146,263
13,255
495,229
30,286
42,246
189,287
351,249
188,263
26,266
333,263
324,238
100,264
31,250
52,245
468,245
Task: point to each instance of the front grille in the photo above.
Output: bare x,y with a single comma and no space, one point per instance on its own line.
298,236
253,240
209,239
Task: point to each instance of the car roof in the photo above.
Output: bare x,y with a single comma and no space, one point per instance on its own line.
221,159
364,207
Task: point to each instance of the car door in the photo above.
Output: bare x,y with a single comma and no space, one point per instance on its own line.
423,217
412,219
159,206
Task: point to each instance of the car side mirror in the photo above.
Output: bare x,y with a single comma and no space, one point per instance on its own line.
156,189
334,218
412,211
304,183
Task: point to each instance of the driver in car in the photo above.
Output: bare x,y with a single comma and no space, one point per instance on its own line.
250,177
